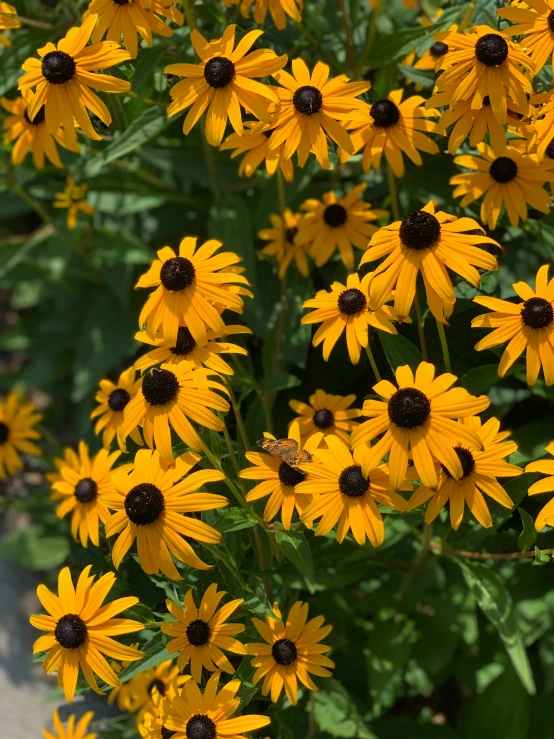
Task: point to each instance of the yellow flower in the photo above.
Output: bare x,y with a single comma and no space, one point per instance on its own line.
420,414
279,10
328,414
527,327
480,469
292,651
150,503
127,18
545,467
80,630
8,19
17,420
32,135
73,198
345,489
256,145
312,107
346,308
74,729
143,689
223,80
81,490
394,128
283,243
534,21
337,223
200,635
112,399
426,241
65,75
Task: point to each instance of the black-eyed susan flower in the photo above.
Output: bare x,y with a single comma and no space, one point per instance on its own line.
207,715
151,725
339,224
345,489
546,485
164,680
426,241
527,327
188,354
291,652
201,636
73,198
328,414
420,415
480,469
17,422
283,243
279,479
63,78
188,286
167,398
74,728
150,503
512,180
8,20
224,81
255,143
534,22
112,399
81,490
395,127
480,63
278,9
346,309
540,131
312,107
80,630
128,18
32,135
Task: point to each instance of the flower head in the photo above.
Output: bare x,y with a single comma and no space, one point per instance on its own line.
112,399
278,9
17,421
255,143
284,244
534,22
73,198
328,414
74,729
546,485
144,689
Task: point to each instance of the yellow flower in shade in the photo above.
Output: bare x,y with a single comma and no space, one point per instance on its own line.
480,468
279,479
32,135
80,630
195,714
527,327
256,145
426,241
187,287
291,652
123,694
81,491
163,680
546,485
394,128
200,635
64,76
151,724
328,414
279,10
480,63
74,729
420,414
73,198
150,504
337,224
432,57
346,490
534,21
187,354
513,179
8,19
541,135
112,399
167,398
17,421
313,107
283,243
127,18
223,81
346,309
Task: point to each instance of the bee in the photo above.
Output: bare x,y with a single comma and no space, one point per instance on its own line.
285,449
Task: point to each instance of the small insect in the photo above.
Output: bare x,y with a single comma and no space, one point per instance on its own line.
285,449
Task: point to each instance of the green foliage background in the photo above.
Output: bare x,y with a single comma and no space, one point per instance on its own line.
441,648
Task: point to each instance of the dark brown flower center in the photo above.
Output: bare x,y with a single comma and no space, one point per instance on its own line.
290,476
503,169
284,652
160,386
385,113
166,733
144,504
198,633
323,419
466,460
549,151
491,49
352,301
551,21
438,49
200,726
86,490
58,67
307,100
419,230
121,2
409,408
177,273
4,433
352,483
335,215
157,684
39,118
185,342
537,313
290,233
70,631
219,72
118,399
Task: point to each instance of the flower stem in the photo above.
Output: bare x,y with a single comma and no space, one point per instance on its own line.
372,361
238,415
370,36
441,549
418,563
420,330
232,487
444,347
32,23
393,194
350,53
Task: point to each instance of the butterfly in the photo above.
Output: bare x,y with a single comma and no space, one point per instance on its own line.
285,449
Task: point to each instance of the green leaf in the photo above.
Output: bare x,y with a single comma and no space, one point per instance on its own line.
154,654
479,380
529,534
233,519
280,380
421,77
336,713
399,351
29,548
297,550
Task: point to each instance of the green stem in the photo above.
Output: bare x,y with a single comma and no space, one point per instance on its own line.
228,562
418,563
190,15
147,101
32,23
420,330
350,53
370,37
468,554
393,194
444,347
372,361
238,415
232,487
